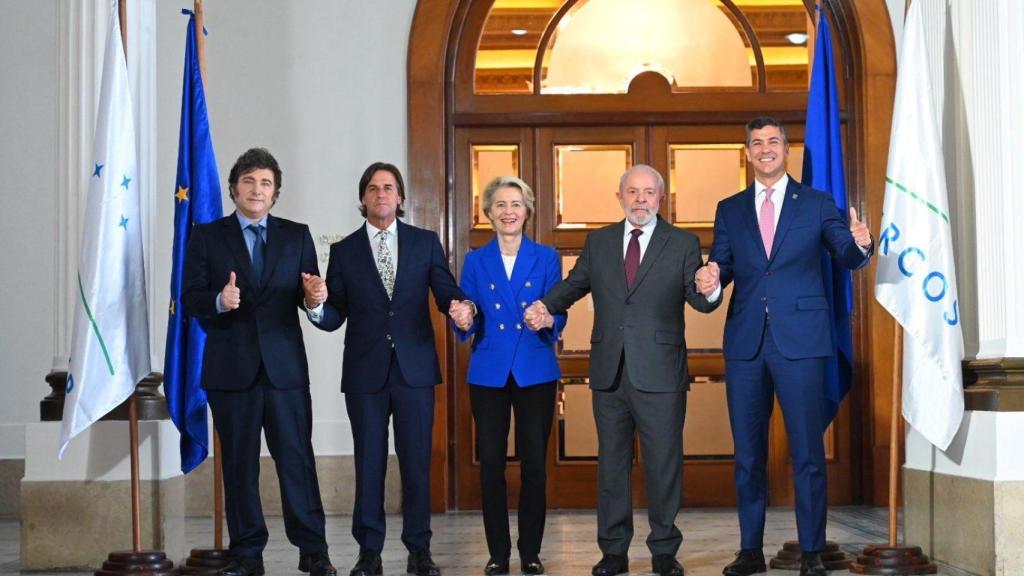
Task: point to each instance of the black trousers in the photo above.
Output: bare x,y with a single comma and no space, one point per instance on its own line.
534,408
285,416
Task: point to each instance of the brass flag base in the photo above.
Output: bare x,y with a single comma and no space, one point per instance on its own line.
148,562
206,561
789,557
893,560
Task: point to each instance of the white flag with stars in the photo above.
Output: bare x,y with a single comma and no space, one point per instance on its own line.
110,338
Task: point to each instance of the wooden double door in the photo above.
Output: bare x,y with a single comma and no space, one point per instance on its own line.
575,172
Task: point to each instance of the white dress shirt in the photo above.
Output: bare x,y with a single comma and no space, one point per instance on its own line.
644,238
317,314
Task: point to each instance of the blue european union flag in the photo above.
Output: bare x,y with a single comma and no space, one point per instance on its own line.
196,201
823,170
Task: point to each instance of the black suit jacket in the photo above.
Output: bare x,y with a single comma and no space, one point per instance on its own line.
265,328
377,326
644,322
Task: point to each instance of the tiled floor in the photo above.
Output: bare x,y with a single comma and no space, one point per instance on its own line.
711,537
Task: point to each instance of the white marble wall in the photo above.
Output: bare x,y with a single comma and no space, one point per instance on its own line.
320,83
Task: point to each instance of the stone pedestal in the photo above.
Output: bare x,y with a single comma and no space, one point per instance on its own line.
965,506
76,510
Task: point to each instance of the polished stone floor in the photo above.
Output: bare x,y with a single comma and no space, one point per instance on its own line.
711,537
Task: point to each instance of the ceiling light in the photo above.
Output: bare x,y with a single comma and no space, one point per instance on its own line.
797,38
519,31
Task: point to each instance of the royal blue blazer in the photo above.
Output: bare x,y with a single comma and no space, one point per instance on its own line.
502,344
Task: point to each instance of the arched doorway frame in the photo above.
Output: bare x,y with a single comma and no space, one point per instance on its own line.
867,46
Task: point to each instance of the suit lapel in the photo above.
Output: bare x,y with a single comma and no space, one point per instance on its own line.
749,204
790,209
525,261
238,248
405,248
614,245
275,246
494,266
654,247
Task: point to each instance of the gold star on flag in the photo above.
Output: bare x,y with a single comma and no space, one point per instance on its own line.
171,310
181,194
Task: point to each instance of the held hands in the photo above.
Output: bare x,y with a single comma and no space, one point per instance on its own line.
537,316
861,234
461,312
708,279
315,289
230,296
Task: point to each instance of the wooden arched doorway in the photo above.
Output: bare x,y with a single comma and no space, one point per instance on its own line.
450,121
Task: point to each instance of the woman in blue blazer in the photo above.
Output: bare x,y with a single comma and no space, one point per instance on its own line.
511,369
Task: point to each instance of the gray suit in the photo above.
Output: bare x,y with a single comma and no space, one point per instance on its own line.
638,373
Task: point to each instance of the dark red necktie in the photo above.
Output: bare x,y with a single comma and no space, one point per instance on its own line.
633,256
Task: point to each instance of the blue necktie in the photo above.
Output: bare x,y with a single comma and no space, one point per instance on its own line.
259,249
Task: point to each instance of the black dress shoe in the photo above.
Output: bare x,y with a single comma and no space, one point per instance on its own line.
747,562
611,565
496,567
368,565
532,566
666,565
318,564
243,567
811,565
421,564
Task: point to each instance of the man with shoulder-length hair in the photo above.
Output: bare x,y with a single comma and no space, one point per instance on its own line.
379,279
243,278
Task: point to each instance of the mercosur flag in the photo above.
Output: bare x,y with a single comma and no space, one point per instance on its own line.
110,338
916,279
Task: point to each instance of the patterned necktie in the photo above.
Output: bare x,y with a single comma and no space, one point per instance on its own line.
633,256
385,264
259,251
766,220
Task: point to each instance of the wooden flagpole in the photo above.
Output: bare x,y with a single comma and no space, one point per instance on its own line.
137,560
209,561
893,558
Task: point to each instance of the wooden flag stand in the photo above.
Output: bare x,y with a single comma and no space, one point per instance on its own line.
209,561
136,560
892,558
788,557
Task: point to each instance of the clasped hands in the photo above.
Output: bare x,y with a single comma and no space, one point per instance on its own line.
461,312
537,316
315,290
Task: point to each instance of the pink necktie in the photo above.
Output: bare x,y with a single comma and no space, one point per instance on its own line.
767,221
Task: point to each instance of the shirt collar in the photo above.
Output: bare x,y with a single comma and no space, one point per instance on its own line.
647,228
778,188
373,230
245,222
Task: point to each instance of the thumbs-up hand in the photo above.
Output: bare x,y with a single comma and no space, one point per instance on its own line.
861,234
315,290
230,296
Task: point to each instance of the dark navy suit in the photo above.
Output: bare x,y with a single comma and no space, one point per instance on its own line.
389,367
255,374
777,336
512,369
